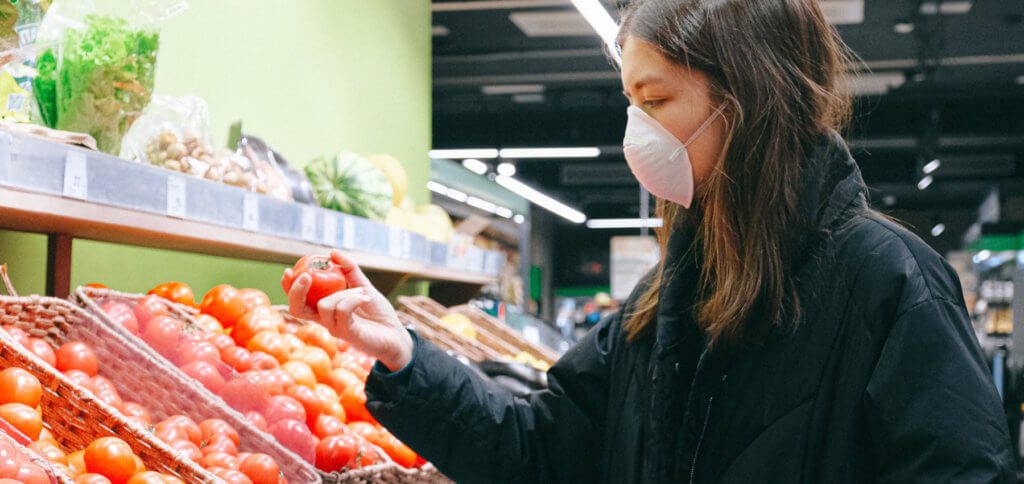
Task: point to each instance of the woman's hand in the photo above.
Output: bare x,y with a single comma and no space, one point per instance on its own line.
360,315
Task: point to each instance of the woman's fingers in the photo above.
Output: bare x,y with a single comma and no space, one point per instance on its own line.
353,274
336,310
297,295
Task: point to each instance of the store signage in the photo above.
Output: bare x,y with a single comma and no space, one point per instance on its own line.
631,258
250,212
76,179
308,223
330,229
176,202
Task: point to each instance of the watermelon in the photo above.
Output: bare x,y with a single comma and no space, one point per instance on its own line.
349,183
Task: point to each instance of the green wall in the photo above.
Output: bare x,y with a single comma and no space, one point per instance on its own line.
310,77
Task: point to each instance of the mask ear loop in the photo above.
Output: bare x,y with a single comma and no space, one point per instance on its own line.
706,125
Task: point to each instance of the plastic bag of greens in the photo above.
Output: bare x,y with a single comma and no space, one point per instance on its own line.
98,77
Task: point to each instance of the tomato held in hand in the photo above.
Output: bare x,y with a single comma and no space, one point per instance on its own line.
328,278
112,458
178,292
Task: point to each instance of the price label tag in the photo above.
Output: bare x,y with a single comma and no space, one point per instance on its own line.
250,212
394,242
308,223
76,181
330,230
532,334
348,233
176,202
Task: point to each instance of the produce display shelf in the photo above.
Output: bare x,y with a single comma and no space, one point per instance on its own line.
69,192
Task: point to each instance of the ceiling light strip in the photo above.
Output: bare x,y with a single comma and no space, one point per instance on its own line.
541,200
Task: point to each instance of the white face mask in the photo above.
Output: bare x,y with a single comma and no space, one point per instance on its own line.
658,159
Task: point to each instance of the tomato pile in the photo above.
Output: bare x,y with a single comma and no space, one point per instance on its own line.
296,382
213,444
104,460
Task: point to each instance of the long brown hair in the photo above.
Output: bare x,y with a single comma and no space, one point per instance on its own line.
780,69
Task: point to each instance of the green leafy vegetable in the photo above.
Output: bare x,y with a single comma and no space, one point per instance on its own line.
100,82
352,184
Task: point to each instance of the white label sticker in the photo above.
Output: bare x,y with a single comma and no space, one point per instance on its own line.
532,334
348,233
330,230
5,155
76,181
308,223
394,242
176,201
250,212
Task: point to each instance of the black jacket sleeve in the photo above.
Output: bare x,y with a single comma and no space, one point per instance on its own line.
933,411
475,431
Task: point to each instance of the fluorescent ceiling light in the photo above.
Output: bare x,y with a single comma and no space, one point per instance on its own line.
586,152
437,187
542,200
843,12
506,169
457,195
623,223
931,166
528,98
1020,80
938,229
481,204
503,89
925,182
982,256
877,84
602,22
518,218
503,212
474,165
903,27
439,31
461,154
946,7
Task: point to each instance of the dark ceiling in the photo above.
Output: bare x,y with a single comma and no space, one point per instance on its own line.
971,107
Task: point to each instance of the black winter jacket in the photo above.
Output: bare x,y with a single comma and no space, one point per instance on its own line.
882,380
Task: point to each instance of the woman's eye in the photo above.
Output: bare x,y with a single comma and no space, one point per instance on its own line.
652,103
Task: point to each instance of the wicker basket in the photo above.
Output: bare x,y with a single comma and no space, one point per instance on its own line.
72,414
296,469
508,335
170,391
57,475
474,349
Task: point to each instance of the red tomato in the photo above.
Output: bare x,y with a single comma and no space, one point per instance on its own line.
271,343
188,449
261,468
242,395
263,361
216,426
100,384
336,452
122,315
148,308
328,278
50,451
319,336
210,325
399,452
334,408
220,444
257,420
23,418
309,400
189,352
317,360
260,319
76,462
30,473
148,477
283,407
76,355
19,386
205,373
79,378
295,435
19,335
170,434
220,341
138,413
178,292
231,476
254,298
190,429
224,303
163,334
112,458
238,358
300,372
43,350
90,478
220,459
292,344
111,398
328,425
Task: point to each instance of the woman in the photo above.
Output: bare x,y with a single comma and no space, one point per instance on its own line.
790,334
